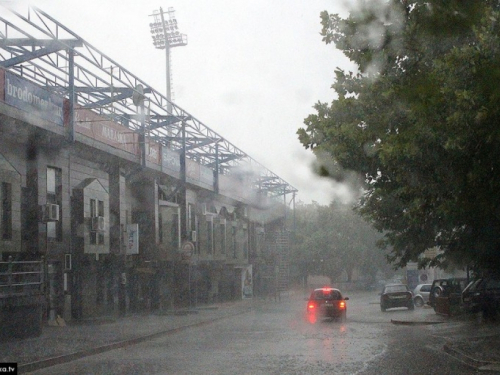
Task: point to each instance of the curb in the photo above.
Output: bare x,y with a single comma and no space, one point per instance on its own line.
178,312
476,364
48,362
407,323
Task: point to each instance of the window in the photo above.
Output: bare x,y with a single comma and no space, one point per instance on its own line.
168,220
174,227
100,238
100,208
51,181
233,240
161,194
210,234
93,208
245,243
54,196
222,229
396,288
425,288
191,217
96,210
6,224
327,294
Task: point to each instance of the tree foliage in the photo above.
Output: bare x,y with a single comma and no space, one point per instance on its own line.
419,122
334,241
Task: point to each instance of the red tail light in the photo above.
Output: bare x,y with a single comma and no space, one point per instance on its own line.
311,306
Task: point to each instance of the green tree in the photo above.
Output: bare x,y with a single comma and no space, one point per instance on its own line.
333,240
419,123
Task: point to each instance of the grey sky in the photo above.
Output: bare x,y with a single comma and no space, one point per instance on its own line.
252,70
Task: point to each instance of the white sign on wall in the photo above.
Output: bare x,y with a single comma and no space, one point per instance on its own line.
132,239
247,282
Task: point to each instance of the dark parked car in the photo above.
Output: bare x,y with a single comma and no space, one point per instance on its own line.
396,295
328,303
482,295
446,288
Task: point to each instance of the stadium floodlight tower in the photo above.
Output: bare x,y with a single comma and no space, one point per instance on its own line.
166,35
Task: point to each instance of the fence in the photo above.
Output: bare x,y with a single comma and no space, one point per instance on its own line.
21,278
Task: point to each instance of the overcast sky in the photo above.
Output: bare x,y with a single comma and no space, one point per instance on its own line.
252,69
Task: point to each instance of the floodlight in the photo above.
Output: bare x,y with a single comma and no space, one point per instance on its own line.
165,36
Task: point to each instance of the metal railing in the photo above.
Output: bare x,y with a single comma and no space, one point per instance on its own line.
21,278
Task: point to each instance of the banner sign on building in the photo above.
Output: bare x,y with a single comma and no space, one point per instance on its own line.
29,97
153,153
207,177
101,129
132,239
170,162
192,170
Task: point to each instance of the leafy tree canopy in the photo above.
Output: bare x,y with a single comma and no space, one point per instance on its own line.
334,241
420,123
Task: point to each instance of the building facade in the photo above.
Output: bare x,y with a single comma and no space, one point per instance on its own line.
129,213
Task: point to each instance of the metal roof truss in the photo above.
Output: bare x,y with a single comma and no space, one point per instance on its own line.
42,50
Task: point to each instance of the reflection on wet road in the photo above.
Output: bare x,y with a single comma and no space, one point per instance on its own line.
276,338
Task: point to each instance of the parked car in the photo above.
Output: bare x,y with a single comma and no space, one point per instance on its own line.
445,288
482,295
396,295
421,294
327,302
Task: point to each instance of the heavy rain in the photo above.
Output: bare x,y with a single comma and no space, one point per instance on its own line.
256,188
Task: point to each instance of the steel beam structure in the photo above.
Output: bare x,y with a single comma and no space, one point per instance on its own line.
41,49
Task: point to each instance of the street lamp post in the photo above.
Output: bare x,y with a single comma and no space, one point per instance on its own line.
166,35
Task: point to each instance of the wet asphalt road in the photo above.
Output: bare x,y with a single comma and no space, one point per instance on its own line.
278,338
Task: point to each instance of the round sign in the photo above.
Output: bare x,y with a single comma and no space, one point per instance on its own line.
187,249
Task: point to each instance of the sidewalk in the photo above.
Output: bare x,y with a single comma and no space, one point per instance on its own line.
79,339
473,341
479,352
478,345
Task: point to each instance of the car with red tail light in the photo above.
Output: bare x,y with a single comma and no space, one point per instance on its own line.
327,303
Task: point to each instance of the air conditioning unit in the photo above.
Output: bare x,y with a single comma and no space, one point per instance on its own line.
194,236
51,212
97,224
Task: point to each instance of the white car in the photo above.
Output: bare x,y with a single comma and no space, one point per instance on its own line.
421,294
